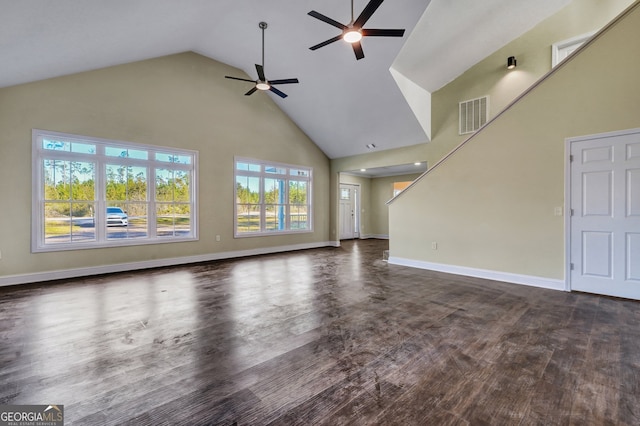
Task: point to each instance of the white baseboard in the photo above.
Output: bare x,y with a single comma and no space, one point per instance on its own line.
376,236
123,267
508,277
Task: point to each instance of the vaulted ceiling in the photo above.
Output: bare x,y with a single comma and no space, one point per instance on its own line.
341,103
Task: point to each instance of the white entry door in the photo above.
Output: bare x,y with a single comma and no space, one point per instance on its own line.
348,212
605,221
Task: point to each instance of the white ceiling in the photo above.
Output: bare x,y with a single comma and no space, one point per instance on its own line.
341,104
456,34
392,170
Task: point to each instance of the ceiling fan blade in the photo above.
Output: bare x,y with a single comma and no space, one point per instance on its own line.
253,89
367,12
285,81
382,33
237,78
277,92
324,43
326,19
357,49
260,70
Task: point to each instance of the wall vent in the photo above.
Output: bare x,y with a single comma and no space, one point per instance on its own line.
474,114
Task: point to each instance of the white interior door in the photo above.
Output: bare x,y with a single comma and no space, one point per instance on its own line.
348,211
605,221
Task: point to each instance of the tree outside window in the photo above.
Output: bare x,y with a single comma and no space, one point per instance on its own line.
271,198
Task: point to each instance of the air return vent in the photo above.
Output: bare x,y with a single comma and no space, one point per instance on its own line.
474,114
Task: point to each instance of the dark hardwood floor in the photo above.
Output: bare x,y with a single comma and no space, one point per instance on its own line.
329,336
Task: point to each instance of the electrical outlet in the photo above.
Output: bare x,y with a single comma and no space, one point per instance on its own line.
434,246
557,211
217,237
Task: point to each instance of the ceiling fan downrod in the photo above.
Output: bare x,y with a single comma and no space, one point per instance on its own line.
352,18
263,26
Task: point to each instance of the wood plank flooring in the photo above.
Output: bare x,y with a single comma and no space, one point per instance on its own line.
330,336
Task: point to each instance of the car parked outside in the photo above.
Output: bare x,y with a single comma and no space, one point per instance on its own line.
116,217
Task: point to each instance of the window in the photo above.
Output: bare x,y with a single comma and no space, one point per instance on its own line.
271,198
398,187
562,49
91,192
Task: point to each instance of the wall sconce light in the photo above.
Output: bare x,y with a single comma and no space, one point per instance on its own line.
511,62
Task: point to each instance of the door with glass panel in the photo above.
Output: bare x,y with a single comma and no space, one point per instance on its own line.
349,227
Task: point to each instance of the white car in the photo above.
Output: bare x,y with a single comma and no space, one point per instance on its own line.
116,217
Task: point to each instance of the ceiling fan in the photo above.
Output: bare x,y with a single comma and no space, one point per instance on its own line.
353,32
262,83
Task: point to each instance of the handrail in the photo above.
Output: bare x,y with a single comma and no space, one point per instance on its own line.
549,73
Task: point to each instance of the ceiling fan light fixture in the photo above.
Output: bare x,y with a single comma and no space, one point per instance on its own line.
352,36
353,32
261,83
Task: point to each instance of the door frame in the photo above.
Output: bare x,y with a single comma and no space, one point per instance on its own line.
356,209
568,193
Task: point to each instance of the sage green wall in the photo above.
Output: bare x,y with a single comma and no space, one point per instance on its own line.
179,101
381,192
374,194
490,76
491,204
405,155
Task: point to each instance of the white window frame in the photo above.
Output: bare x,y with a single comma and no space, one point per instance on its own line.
262,174
562,49
39,155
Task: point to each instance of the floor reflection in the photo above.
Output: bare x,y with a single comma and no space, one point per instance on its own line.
98,330
324,336
269,297
93,344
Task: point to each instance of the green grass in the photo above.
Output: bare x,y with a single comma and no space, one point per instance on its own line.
60,228
56,228
252,224
168,220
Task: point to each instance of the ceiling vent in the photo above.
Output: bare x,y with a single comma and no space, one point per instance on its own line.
474,114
